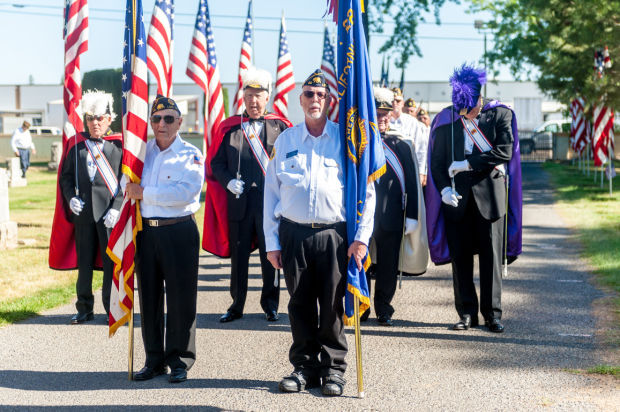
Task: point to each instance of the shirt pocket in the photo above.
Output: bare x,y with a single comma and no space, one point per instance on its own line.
331,172
292,170
170,176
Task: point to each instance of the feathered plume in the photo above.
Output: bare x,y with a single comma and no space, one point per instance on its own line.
466,82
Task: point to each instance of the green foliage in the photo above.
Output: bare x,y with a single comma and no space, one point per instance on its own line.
605,370
554,41
108,80
225,91
406,15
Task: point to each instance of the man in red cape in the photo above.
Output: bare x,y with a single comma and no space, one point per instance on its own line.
235,185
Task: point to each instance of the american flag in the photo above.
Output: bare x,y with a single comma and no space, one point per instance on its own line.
75,35
122,243
328,66
603,134
579,126
202,68
245,60
159,51
285,82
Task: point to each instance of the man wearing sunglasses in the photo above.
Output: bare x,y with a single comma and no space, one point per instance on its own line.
238,164
89,183
305,234
168,245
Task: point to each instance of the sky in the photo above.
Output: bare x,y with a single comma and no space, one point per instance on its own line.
32,45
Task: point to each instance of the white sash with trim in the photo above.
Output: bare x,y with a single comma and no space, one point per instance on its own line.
251,132
103,166
395,164
479,139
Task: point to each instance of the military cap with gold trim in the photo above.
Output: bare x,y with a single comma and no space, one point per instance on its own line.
410,102
398,94
422,112
163,103
317,79
384,98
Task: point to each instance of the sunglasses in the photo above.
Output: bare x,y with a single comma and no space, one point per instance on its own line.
90,118
169,119
310,94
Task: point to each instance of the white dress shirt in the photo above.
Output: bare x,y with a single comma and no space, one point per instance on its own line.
21,139
416,134
172,180
469,144
305,183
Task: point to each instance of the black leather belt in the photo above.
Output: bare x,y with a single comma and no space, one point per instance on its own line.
313,225
166,221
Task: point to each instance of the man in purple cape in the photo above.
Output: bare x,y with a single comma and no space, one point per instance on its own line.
473,157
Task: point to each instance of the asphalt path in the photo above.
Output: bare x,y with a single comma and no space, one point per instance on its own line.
418,364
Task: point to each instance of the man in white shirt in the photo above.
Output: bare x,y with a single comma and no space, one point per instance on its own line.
305,234
168,245
414,132
21,143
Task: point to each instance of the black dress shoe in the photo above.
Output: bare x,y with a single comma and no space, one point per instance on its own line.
385,320
333,385
272,316
364,316
147,373
177,375
230,316
463,324
82,317
298,381
494,325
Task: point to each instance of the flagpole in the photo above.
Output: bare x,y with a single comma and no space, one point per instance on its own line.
400,254
358,348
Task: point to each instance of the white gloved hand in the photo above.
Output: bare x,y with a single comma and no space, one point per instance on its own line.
458,166
76,205
410,225
111,218
236,186
449,197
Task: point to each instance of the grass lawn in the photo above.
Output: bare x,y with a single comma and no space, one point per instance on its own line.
27,284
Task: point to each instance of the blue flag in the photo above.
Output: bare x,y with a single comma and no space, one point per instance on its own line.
365,160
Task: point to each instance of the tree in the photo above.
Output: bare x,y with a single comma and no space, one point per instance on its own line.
554,41
109,81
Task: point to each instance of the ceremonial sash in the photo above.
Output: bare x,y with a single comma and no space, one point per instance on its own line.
480,140
395,164
103,166
252,136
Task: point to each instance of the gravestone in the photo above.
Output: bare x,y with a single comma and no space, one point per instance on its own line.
15,173
56,152
8,229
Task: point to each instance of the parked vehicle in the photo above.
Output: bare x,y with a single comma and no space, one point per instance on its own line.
542,136
45,131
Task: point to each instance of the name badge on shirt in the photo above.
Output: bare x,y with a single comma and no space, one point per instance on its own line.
291,154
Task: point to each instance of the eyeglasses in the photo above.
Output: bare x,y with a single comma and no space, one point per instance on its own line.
90,118
310,94
169,119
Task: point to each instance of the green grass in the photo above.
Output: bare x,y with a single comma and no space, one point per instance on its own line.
606,370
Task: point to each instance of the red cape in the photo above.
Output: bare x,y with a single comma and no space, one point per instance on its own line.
215,229
62,255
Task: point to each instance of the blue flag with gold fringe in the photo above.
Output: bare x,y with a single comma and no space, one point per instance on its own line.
365,160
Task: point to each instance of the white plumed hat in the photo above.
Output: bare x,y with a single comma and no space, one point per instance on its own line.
255,78
98,103
384,98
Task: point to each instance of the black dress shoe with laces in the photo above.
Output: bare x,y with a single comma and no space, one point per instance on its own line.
298,381
230,316
177,375
494,325
82,317
385,320
465,323
147,373
333,385
272,316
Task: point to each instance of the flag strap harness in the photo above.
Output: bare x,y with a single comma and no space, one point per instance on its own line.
395,164
251,134
103,166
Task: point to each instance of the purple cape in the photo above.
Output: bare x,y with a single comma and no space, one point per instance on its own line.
435,225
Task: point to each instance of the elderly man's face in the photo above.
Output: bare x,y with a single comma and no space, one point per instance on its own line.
473,113
398,104
409,110
424,119
165,132
383,120
255,102
314,101
98,125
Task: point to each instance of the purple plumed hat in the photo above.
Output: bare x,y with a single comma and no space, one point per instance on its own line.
466,82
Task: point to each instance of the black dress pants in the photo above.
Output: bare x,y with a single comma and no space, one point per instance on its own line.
466,237
241,234
386,269
89,237
315,265
168,255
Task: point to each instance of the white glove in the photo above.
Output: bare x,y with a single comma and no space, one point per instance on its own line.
236,186
410,225
458,166
111,218
449,197
76,205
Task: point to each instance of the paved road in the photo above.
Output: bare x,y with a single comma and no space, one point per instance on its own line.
419,364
